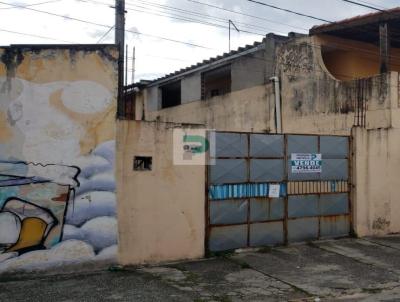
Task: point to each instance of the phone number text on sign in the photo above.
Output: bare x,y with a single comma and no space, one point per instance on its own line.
306,162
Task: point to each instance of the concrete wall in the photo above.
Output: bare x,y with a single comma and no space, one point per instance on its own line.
191,88
57,137
376,158
153,98
244,110
161,213
376,181
248,71
314,102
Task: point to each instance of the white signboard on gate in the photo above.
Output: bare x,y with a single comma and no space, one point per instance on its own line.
306,163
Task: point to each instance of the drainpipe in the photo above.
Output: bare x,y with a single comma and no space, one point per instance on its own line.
278,112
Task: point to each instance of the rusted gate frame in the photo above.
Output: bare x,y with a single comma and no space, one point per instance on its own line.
345,186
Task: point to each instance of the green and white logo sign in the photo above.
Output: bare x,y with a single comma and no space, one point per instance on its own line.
306,162
193,146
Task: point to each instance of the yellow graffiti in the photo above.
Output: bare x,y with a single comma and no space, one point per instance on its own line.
32,233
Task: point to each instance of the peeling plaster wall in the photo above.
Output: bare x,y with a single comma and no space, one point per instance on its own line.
315,102
161,213
57,148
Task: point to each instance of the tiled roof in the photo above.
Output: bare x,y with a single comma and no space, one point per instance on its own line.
209,61
389,14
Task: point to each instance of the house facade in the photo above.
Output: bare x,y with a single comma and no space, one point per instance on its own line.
339,84
291,139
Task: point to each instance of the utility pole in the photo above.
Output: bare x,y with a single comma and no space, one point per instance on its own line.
120,43
230,22
126,65
133,64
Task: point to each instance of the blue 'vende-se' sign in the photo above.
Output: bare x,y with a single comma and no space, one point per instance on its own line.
306,162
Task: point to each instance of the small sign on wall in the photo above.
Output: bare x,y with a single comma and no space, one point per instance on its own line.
274,190
306,163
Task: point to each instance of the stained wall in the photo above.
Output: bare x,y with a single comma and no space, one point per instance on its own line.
161,212
57,149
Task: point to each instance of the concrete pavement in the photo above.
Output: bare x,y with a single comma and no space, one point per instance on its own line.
338,270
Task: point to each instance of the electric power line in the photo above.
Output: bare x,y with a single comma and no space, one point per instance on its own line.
317,18
177,17
364,5
34,4
244,14
177,59
105,34
290,11
36,36
197,14
90,23
107,26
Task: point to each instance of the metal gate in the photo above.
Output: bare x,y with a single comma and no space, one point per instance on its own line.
257,196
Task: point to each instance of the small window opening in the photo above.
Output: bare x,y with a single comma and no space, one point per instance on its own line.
142,163
216,82
171,95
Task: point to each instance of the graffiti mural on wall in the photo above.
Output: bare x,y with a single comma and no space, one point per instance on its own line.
33,201
57,185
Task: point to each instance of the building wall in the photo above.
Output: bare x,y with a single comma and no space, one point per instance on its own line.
191,88
376,181
313,101
248,71
57,146
244,110
161,213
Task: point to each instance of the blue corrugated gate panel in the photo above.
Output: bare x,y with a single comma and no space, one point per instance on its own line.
302,144
335,226
303,229
228,171
334,204
266,170
262,145
231,145
228,211
267,209
270,233
302,206
243,209
228,237
334,146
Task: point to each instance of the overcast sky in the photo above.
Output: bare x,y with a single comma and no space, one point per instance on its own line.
164,18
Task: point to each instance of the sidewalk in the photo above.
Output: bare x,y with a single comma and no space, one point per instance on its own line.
339,270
